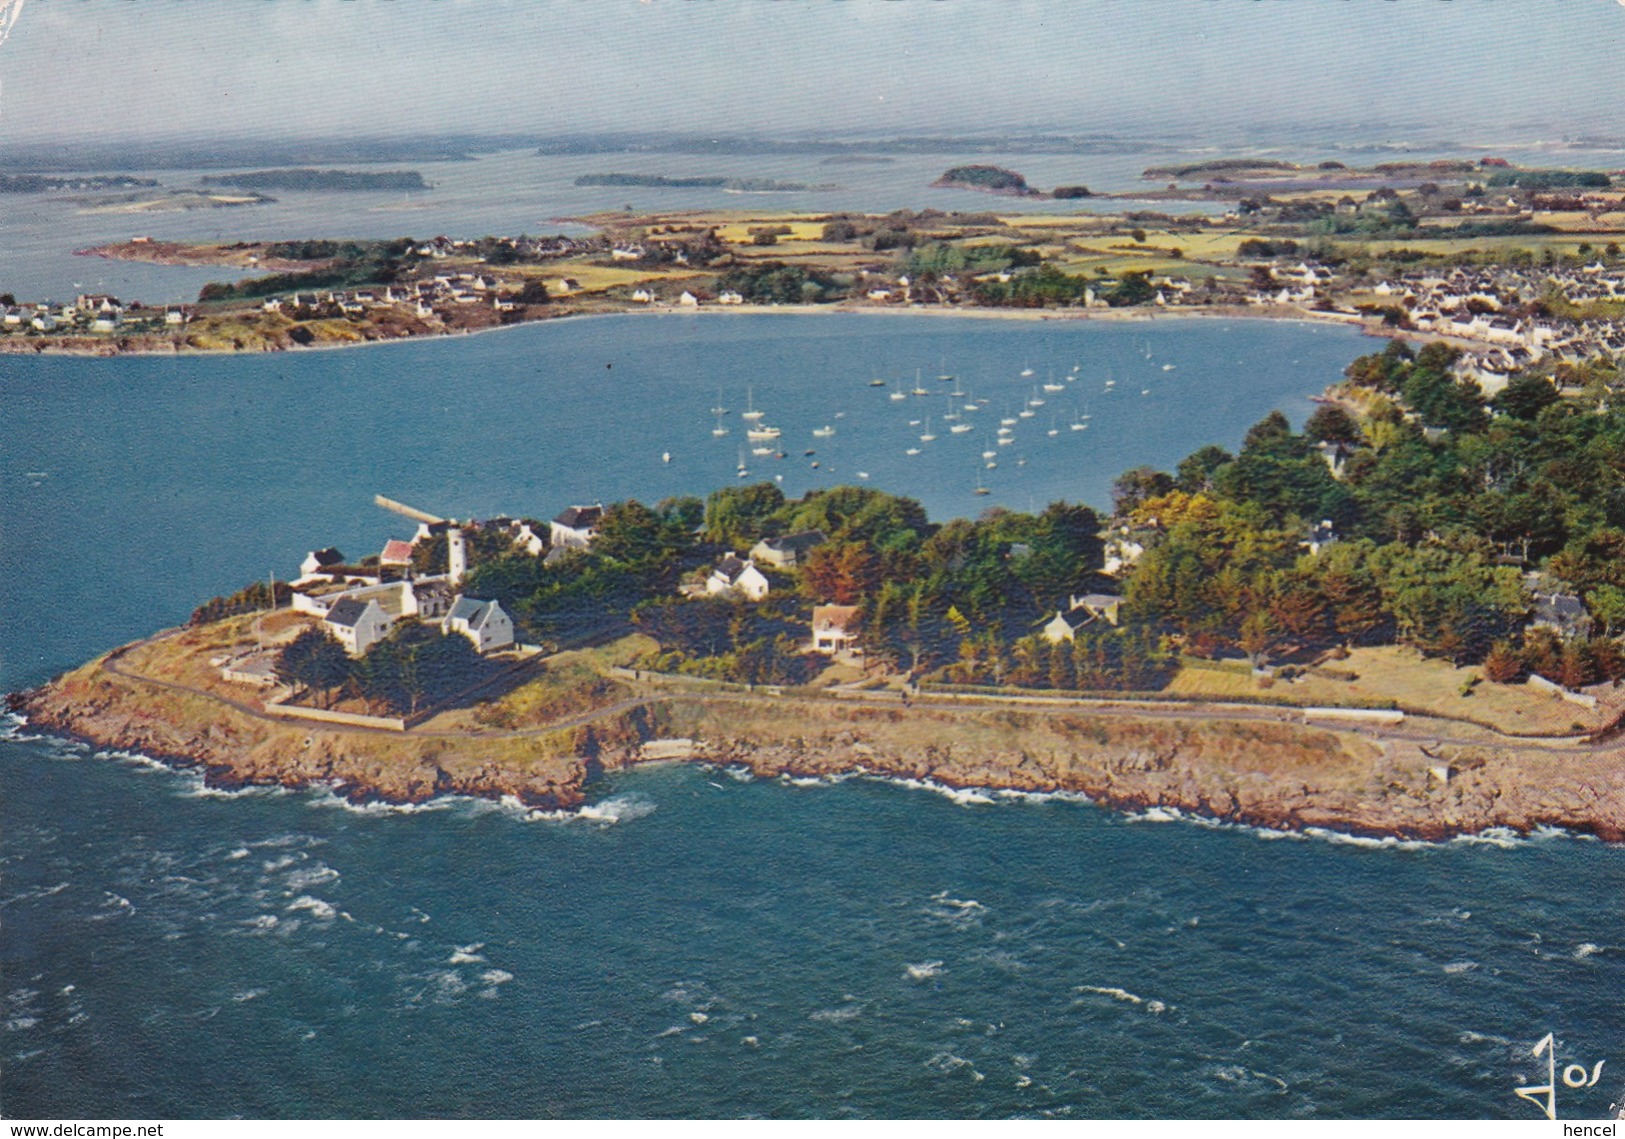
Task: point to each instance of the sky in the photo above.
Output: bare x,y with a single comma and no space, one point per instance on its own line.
162,68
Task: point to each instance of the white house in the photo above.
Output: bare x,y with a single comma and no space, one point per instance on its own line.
734,575
835,628
729,297
576,526
788,551
482,622
357,624
643,296
688,300
1060,628
320,561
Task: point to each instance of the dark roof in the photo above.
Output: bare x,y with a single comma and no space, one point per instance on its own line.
327,557
796,543
731,567
346,612
580,517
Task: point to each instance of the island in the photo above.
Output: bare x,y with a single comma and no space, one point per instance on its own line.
322,180
1287,635
991,179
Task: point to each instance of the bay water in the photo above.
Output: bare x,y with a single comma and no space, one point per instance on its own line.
695,943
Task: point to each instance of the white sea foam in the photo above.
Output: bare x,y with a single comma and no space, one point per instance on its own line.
1587,949
806,781
248,995
1150,1004
1043,796
924,970
240,852
1386,842
620,809
314,876
1457,967
21,1023
964,796
837,1015
467,954
496,976
320,910
275,864
698,1017
674,1030
262,921
328,797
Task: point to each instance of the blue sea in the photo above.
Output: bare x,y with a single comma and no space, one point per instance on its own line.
695,943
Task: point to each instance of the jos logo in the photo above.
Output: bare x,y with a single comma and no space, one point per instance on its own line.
1544,1096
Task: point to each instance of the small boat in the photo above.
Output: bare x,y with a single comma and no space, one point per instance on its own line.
761,450
1008,421
912,451
960,428
1026,372
815,465
665,456
1167,367
1006,440
877,383
750,411
982,490
927,437
1026,413
1145,391
758,433
1055,387
972,407
719,409
823,432
919,389
1003,431
809,453
989,454
719,431
863,474
991,465
898,393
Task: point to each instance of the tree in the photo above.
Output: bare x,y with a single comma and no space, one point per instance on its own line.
313,660
1195,472
839,573
1135,486
1333,424
738,516
1502,664
1526,396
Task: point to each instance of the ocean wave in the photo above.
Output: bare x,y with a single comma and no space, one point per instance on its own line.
1385,842
946,1062
314,876
924,970
1588,949
621,809
326,796
467,954
320,910
248,995
1150,1004
837,1015
37,892
1044,796
1455,968
964,796
496,976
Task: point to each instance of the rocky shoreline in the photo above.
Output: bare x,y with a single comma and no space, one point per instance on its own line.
1259,772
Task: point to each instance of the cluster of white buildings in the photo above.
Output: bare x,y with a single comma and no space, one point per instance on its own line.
90,312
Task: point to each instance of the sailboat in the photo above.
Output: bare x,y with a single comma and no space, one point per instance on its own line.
898,393
823,432
981,487
719,410
877,383
945,376
742,471
918,388
1052,386
759,433
1026,371
719,431
750,405
927,437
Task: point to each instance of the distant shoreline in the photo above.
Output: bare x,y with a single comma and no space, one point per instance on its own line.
88,347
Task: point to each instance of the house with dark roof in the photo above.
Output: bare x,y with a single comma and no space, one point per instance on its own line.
320,561
357,624
736,576
576,526
786,552
483,622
